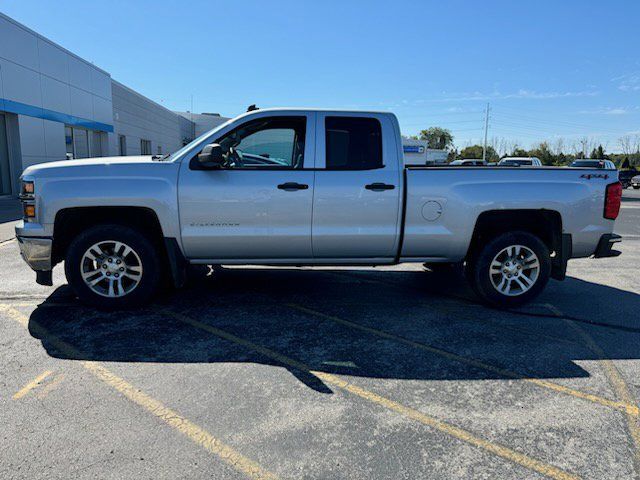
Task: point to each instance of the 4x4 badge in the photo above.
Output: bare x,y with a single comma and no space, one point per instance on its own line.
589,176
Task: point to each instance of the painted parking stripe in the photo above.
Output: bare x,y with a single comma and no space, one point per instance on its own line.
7,242
408,412
495,323
629,408
615,379
31,385
52,385
196,434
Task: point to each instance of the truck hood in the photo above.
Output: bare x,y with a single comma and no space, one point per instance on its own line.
112,164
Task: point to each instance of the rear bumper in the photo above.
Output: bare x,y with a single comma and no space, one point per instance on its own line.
36,252
605,246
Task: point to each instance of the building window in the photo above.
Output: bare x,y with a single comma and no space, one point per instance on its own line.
95,143
145,147
159,150
83,143
80,143
68,139
5,168
122,145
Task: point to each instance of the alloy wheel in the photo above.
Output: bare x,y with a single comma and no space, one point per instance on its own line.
514,270
111,268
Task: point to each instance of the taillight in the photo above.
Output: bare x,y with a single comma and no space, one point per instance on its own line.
612,198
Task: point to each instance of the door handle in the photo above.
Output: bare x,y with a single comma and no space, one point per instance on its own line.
292,186
379,187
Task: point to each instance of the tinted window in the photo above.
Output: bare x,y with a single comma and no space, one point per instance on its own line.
588,163
353,143
515,163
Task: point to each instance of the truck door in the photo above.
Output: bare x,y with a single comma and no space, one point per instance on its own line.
258,206
357,202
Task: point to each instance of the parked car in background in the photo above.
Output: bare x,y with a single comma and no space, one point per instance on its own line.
589,163
520,162
468,162
635,182
626,177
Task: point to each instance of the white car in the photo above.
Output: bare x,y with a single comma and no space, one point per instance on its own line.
589,163
635,182
468,162
520,162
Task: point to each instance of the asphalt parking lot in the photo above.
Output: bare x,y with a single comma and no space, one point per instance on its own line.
326,373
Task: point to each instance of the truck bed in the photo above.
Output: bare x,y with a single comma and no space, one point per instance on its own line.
443,204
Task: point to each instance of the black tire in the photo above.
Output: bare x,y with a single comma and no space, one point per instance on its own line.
479,267
136,240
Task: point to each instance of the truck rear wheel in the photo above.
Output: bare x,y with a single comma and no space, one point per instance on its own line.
112,267
510,270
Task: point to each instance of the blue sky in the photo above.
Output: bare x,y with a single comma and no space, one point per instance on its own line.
557,69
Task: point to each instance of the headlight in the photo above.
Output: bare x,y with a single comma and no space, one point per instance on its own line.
27,190
27,195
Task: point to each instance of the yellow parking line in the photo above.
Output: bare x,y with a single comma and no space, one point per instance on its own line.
626,407
195,433
408,412
31,385
448,312
52,385
615,379
192,431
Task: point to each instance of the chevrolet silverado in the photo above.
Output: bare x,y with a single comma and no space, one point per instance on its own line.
307,187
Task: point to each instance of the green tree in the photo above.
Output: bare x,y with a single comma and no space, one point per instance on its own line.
544,153
519,152
598,153
437,137
475,151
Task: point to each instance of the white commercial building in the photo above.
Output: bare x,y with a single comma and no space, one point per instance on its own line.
417,152
55,105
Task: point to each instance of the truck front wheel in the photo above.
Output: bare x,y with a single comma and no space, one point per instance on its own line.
112,266
510,270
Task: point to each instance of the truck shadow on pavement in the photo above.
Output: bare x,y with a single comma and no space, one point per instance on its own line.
401,325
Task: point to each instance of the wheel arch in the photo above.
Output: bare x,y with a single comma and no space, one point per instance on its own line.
70,222
545,224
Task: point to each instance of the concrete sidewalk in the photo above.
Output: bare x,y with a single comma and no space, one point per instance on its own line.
10,214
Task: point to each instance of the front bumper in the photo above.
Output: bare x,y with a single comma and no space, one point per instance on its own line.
605,245
36,252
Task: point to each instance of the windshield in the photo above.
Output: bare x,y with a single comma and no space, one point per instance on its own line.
198,140
515,163
588,164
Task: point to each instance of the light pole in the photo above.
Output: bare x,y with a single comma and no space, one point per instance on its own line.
486,128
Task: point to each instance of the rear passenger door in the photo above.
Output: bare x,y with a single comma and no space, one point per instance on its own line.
356,204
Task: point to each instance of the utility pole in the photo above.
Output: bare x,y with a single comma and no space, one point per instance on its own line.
486,129
584,148
193,125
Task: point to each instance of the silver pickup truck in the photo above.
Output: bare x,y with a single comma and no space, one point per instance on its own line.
307,187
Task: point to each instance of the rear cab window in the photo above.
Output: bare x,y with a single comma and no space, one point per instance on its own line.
353,143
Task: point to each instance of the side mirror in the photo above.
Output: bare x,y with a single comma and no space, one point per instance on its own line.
210,158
